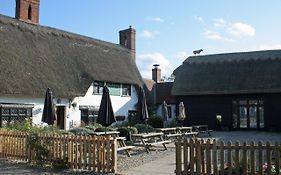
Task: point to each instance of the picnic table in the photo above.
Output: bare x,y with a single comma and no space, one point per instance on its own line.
202,129
169,132
149,139
188,131
121,145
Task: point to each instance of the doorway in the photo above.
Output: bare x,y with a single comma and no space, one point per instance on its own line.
248,114
61,117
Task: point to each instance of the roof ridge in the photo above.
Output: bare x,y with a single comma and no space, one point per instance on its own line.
35,28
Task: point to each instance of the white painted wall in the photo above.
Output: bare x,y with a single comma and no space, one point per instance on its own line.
71,113
120,104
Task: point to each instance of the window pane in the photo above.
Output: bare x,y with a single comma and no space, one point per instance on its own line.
126,90
243,102
253,116
243,117
114,89
261,112
98,87
253,102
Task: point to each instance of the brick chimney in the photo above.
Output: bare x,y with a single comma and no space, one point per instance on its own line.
156,73
28,10
127,38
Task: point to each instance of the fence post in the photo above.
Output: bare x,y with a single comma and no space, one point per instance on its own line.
178,156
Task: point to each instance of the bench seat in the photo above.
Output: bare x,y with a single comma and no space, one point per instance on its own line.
173,135
125,148
160,142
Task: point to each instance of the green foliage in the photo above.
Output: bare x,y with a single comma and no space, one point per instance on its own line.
132,120
172,123
144,128
39,149
93,126
155,121
103,129
126,131
81,131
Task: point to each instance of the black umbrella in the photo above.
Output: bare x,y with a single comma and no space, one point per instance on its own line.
106,116
142,106
49,115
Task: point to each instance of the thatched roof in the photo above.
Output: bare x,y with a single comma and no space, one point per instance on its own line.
34,57
231,73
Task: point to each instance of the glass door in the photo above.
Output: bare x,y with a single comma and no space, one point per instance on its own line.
248,114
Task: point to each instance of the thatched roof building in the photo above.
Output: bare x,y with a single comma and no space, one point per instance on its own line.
230,73
34,57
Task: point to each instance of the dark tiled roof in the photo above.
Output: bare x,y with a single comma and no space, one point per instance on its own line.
244,72
34,57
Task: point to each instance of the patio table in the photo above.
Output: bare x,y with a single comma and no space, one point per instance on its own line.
149,139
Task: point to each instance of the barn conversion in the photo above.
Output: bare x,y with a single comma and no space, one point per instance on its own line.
232,91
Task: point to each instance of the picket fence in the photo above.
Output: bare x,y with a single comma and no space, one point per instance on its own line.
195,156
94,153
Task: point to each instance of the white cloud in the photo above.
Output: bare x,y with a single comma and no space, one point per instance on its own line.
155,19
146,34
270,47
145,63
241,30
213,35
219,22
198,18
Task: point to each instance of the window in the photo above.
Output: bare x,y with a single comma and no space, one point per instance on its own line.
11,113
248,114
126,90
29,12
114,89
98,87
89,114
169,109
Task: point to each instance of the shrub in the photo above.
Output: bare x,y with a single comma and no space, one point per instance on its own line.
155,121
103,129
133,120
81,131
126,131
172,123
144,128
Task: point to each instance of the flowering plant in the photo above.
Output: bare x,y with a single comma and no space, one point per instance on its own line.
265,168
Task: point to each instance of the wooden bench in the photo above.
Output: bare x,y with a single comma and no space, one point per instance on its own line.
122,145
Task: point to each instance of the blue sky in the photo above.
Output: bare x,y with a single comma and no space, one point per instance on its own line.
168,31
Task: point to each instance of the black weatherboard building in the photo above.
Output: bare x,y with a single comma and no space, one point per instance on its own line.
235,91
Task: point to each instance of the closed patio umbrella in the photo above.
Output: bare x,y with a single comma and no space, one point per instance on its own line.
165,114
142,106
49,115
182,115
106,116
165,111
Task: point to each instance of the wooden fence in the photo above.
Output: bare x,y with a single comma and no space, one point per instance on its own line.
94,153
218,158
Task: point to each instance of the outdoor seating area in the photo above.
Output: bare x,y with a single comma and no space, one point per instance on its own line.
187,131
